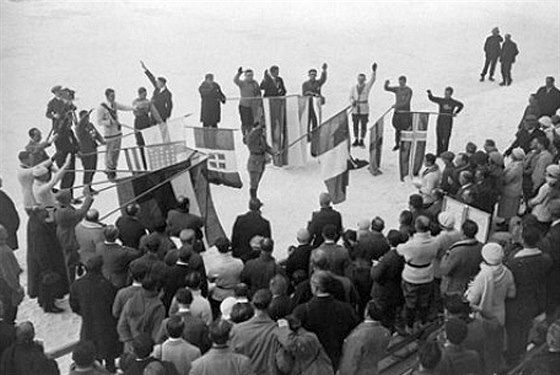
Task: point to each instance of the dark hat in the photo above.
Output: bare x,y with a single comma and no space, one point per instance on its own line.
456,331
255,204
56,89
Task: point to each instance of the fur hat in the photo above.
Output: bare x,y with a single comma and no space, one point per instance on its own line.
446,220
492,253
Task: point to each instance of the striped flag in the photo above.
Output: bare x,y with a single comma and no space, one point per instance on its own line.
310,116
284,126
157,193
158,156
331,141
413,145
165,132
376,145
219,145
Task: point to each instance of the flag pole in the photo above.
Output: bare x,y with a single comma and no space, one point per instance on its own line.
310,132
380,117
430,113
143,193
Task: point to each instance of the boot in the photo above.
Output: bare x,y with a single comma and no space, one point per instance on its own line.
491,79
361,143
356,143
481,78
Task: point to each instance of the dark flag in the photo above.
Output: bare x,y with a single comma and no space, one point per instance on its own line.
376,146
413,145
157,193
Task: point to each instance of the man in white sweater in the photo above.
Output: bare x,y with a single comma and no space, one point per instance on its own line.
359,96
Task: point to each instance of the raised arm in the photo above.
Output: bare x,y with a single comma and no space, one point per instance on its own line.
58,175
323,77
149,74
389,88
237,77
373,77
432,98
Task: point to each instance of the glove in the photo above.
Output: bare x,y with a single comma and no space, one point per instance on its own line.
374,67
240,70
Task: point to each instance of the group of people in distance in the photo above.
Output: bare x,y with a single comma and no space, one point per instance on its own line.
496,48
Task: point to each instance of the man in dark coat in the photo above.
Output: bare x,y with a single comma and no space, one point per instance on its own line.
9,218
549,245
116,257
130,227
492,50
189,261
326,215
272,84
329,319
46,271
298,258
258,272
448,108
26,356
548,97
211,95
402,118
181,218
88,140
525,136
92,298
161,98
246,227
507,58
312,88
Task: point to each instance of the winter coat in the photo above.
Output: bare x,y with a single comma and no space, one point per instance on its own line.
549,246
549,100
364,347
194,331
176,277
221,360
509,52
246,227
304,352
257,339
258,272
143,313
211,95
460,265
326,215
9,219
89,235
511,190
272,86
492,46
44,256
92,298
27,359
490,289
161,99
387,278
530,272
116,259
130,231
330,320
66,218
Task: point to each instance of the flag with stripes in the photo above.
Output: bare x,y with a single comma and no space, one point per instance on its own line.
155,156
331,141
310,116
165,132
284,126
376,145
219,145
413,145
157,193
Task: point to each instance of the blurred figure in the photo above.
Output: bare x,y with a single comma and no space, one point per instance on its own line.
507,59
11,292
246,227
402,119
161,97
88,140
89,234
492,50
319,219
9,218
448,108
250,105
512,190
548,97
130,227
84,360
212,96
359,97
312,88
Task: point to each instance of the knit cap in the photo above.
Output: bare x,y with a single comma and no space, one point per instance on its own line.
492,253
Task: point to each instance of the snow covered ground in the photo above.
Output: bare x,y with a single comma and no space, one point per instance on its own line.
90,46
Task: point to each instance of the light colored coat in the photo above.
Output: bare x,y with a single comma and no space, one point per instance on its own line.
359,101
512,190
110,125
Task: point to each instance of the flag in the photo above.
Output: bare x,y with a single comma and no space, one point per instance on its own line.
332,144
310,116
376,145
275,124
157,193
413,145
219,145
157,156
165,132
284,126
